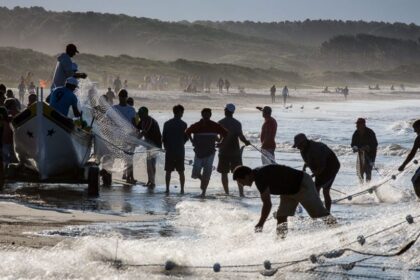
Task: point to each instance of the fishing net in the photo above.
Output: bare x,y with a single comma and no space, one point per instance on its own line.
116,141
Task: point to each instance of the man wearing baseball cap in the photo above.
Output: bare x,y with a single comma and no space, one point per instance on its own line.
268,136
365,144
230,155
65,67
323,163
62,98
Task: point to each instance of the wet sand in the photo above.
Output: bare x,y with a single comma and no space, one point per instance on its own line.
19,223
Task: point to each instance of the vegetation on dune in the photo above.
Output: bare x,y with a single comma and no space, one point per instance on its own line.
16,62
315,32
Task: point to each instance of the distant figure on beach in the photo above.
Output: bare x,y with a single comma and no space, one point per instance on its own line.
125,84
220,84
117,84
416,178
150,130
392,87
174,138
110,95
402,87
65,69
293,186
326,90
22,89
273,94
206,132
323,163
268,136
230,154
31,88
62,98
285,93
365,144
345,92
227,85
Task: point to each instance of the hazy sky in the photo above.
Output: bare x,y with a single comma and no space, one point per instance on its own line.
407,11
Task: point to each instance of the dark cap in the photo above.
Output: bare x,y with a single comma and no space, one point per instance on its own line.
266,109
71,47
361,120
299,139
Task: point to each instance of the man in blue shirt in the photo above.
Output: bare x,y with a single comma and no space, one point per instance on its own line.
63,98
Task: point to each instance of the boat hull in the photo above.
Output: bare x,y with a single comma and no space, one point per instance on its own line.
49,143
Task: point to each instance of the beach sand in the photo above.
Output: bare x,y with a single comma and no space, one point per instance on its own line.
18,223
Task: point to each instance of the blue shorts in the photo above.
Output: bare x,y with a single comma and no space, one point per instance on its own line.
205,164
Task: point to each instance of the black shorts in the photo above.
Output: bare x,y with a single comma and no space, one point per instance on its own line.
174,162
228,163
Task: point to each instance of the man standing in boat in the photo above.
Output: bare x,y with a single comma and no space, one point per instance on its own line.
65,69
62,98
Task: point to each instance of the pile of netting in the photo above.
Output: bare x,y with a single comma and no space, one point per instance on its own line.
116,140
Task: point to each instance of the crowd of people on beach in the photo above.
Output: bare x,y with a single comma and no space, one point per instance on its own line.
208,137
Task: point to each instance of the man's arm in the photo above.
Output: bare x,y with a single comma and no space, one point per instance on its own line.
189,133
164,132
242,137
412,153
354,142
76,111
266,208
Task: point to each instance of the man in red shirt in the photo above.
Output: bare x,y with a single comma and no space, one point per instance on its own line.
206,133
268,136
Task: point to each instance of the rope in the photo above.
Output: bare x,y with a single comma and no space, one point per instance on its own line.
374,187
313,258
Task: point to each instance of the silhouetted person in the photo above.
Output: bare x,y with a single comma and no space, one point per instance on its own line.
227,85
268,136
273,94
293,186
174,138
323,163
22,89
230,155
149,129
285,93
31,99
117,84
365,144
64,68
206,132
220,84
62,98
416,178
345,92
110,95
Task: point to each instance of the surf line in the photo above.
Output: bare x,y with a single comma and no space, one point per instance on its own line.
314,258
374,187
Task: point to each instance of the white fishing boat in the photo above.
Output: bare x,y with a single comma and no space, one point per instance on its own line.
52,147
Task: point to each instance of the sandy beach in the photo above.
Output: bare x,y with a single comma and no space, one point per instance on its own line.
19,223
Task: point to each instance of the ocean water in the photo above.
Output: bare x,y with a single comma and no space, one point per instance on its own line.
197,233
